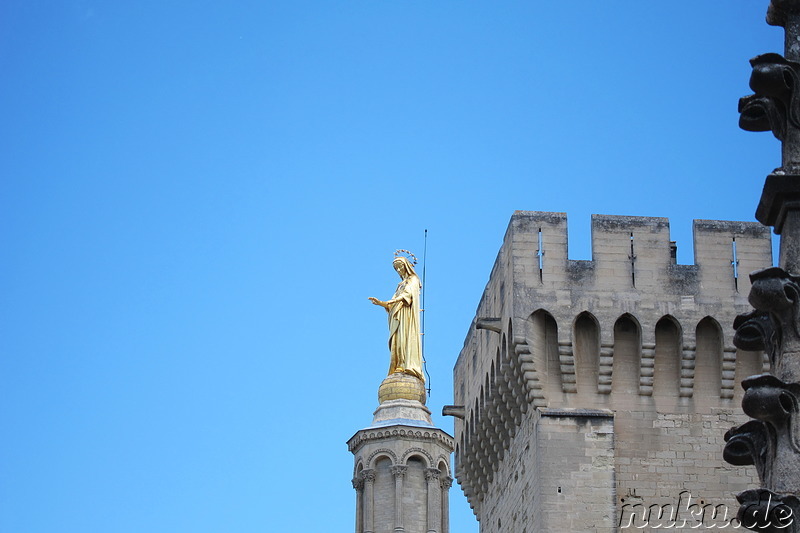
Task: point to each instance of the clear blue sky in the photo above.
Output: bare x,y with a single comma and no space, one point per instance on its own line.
197,198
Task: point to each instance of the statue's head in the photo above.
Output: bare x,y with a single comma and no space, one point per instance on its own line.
403,266
399,265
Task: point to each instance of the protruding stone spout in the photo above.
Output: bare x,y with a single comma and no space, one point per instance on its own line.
492,324
457,411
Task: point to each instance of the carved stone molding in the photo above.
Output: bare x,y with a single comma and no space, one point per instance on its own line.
687,371
417,451
606,365
389,432
432,474
368,475
382,451
398,470
647,369
566,359
728,374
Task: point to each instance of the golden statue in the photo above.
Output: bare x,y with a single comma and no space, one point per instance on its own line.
405,342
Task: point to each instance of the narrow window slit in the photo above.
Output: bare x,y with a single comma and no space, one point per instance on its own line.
735,264
540,256
632,257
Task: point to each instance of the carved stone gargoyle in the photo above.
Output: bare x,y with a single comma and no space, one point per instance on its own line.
776,292
755,332
747,445
774,81
774,404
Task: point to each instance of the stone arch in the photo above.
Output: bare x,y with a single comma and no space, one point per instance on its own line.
359,467
708,358
427,458
668,353
543,340
382,452
443,465
626,364
586,349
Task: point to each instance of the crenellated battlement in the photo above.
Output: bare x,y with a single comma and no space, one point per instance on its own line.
637,252
630,332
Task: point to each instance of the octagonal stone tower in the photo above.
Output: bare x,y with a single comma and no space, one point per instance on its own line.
402,464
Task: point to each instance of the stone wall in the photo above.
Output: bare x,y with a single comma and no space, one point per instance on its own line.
593,388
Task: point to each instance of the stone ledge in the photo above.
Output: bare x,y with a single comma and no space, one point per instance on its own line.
591,413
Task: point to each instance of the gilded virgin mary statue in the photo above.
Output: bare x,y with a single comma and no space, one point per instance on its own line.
405,342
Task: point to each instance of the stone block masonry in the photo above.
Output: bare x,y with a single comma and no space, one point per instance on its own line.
589,385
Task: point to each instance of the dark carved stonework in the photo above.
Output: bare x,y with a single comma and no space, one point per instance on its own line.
777,293
779,11
754,332
775,82
771,441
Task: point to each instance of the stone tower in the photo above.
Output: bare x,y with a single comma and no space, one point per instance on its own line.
402,464
592,395
402,461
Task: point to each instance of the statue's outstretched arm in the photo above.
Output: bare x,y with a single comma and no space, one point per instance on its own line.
385,305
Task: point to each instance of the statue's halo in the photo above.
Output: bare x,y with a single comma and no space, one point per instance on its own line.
407,254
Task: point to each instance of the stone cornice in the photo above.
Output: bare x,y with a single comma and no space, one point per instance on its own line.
400,431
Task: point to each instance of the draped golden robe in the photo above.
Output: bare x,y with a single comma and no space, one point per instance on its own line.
405,343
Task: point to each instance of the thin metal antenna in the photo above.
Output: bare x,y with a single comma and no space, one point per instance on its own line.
424,264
